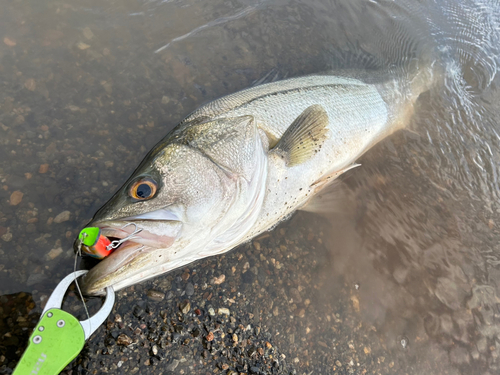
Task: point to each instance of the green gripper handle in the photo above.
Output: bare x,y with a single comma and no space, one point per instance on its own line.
56,341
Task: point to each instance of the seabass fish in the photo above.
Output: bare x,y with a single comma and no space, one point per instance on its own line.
237,166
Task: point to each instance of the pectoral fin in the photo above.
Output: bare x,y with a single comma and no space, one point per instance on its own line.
305,136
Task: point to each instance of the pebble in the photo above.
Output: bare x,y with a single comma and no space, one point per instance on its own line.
185,306
211,311
62,217
87,33
7,237
54,253
254,370
123,339
210,336
43,168
155,295
35,278
9,42
82,46
223,310
219,280
172,366
30,84
189,289
355,303
16,197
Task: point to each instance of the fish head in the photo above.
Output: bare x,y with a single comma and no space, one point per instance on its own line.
181,201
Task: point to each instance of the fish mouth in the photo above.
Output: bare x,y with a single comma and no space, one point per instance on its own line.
128,263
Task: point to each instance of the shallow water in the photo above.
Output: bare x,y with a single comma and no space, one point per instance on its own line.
410,265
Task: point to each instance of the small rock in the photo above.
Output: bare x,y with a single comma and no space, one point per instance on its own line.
367,350
123,339
7,237
16,197
185,306
154,350
43,168
254,370
223,310
54,253
165,100
210,336
82,46
30,84
355,303
219,280
35,278
295,295
300,313
172,366
155,295
62,217
9,42
211,311
108,87
235,338
185,276
256,245
189,289
87,33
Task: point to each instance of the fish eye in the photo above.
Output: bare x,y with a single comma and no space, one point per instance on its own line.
143,189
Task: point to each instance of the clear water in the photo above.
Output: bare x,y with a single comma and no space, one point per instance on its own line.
88,87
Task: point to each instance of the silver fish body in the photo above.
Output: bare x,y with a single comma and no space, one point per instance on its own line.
237,166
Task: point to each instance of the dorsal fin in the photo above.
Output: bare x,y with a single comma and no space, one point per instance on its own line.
305,136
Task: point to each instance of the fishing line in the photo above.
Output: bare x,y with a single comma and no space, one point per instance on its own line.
77,254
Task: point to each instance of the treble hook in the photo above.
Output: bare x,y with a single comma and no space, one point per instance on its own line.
114,244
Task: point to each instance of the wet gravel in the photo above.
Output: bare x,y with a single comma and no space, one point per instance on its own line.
266,314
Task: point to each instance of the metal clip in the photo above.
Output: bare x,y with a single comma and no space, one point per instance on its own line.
89,325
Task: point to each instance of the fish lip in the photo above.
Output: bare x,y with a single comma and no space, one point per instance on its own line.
112,270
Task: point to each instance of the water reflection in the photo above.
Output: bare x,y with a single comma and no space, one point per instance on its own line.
89,87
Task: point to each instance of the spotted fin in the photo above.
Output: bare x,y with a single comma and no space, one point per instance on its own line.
305,136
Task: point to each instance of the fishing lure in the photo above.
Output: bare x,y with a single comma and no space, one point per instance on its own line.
95,244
